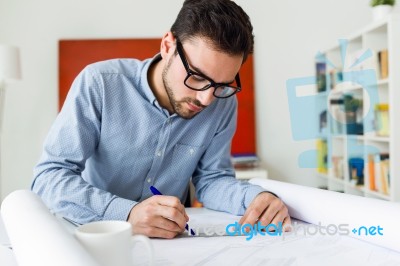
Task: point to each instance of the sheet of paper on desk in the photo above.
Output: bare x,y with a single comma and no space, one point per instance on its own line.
7,257
290,249
207,222
295,249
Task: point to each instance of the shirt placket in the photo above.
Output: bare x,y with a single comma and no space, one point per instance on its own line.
163,139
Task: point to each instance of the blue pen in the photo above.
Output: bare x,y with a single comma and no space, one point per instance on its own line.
156,192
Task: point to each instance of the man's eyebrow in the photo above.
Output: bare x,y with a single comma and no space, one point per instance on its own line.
197,70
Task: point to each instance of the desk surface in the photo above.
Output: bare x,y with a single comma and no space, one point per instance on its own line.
289,249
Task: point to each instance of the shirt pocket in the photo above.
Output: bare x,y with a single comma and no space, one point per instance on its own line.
185,159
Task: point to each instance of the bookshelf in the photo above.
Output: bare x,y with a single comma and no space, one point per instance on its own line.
358,112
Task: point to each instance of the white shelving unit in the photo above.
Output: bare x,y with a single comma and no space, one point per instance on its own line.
341,145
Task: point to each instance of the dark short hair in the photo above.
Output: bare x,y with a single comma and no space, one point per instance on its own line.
222,22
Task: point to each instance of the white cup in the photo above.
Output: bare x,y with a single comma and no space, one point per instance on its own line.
110,242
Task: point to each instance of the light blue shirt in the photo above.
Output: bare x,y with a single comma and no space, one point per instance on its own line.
112,141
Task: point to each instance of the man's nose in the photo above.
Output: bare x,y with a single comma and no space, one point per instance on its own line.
206,97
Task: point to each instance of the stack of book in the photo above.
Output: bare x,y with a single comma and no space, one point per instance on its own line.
245,161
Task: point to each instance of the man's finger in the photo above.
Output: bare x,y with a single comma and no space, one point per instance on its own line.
151,231
165,224
279,218
172,214
268,215
169,201
260,202
252,216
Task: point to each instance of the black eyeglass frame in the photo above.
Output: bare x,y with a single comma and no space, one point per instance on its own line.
238,88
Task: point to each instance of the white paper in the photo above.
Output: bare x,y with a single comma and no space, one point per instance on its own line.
294,249
316,206
205,222
4,240
7,257
37,238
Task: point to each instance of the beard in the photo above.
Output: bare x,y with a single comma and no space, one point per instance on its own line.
179,106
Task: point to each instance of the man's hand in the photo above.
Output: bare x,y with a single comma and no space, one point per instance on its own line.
158,216
267,209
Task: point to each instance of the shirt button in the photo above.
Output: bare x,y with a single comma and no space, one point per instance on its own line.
191,151
148,180
159,153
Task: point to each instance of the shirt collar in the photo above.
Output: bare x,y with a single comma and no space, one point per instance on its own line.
146,86
144,78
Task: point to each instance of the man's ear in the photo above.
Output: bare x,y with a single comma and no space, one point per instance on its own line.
168,44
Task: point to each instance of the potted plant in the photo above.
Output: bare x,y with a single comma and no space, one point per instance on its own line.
381,8
353,111
351,104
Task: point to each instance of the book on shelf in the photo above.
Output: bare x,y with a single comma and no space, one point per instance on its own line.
378,171
385,177
322,156
321,76
383,64
371,172
337,167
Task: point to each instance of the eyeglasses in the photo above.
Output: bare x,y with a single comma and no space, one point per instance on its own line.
200,82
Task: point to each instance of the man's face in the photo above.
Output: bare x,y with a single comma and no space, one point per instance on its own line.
202,58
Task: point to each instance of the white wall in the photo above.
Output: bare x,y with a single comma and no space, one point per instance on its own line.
288,34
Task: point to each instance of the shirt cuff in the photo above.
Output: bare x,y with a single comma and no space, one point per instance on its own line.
251,193
119,209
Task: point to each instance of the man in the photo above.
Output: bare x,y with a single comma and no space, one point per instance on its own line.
127,125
